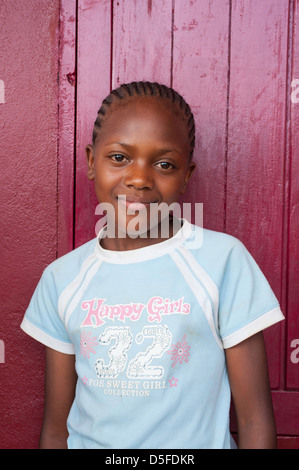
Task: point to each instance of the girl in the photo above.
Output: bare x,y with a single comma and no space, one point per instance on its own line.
148,336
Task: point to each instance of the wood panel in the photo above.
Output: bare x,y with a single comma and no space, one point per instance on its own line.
200,73
141,51
286,408
66,140
93,84
293,260
256,136
287,442
28,179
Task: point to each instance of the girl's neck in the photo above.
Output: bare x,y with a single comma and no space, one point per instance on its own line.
128,243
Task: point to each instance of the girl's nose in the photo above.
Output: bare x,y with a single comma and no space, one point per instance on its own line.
139,177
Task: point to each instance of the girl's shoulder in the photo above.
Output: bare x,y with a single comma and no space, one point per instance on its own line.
220,255
66,267
210,242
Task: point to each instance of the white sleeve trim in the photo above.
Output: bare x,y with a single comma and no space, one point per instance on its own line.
264,321
46,339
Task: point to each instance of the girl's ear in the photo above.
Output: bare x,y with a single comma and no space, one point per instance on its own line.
90,161
189,172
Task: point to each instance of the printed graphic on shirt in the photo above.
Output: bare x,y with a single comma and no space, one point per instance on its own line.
98,312
141,370
180,352
87,343
139,367
122,337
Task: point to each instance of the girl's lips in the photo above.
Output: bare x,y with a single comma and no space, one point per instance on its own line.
135,204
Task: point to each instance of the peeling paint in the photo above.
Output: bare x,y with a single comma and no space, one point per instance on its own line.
71,78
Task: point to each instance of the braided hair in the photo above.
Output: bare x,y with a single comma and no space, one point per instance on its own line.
150,89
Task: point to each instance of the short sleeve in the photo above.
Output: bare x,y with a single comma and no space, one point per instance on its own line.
247,303
42,321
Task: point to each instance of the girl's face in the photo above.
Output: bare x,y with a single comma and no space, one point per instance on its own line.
141,157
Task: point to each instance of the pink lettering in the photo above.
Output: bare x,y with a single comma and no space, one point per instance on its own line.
173,307
105,310
97,312
154,308
92,318
126,311
137,309
186,308
157,306
114,311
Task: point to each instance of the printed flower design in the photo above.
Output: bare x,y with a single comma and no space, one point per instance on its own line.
124,338
180,352
87,344
163,338
118,362
136,369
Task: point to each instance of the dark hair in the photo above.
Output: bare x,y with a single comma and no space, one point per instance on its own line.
150,89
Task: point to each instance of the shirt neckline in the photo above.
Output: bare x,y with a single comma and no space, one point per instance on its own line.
147,252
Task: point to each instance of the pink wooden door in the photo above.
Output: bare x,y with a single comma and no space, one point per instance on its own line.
234,61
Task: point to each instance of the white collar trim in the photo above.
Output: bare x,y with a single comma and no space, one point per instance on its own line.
147,252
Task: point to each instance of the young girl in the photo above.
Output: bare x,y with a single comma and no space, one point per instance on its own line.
148,336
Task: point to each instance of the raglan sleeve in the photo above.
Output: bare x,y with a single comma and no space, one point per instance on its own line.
42,321
247,303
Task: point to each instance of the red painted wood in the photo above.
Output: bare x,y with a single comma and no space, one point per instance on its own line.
67,89
200,61
142,51
256,136
289,442
28,178
93,84
286,408
248,182
293,266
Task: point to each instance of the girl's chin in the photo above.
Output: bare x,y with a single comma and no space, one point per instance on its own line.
141,227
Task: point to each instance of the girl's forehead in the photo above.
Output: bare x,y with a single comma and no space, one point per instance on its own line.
144,105
144,114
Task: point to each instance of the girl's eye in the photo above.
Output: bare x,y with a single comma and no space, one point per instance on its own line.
165,165
118,158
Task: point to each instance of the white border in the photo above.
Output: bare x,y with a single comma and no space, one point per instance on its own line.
67,294
264,321
203,277
199,292
47,340
145,253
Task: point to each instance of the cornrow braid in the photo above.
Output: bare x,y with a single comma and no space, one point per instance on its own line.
150,89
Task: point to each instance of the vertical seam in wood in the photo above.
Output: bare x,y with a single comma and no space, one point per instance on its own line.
111,47
58,130
75,122
227,112
172,41
286,193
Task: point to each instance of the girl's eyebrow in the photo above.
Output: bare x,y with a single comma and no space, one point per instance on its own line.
129,147
122,144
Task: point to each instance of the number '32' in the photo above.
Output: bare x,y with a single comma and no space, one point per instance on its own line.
139,367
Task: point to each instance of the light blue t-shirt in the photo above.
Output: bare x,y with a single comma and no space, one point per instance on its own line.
149,328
